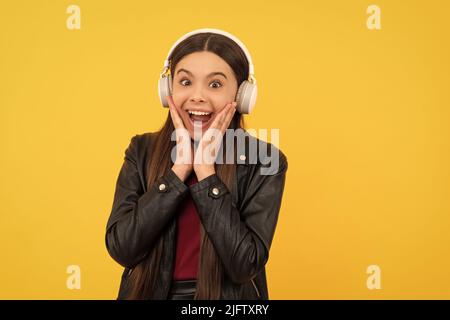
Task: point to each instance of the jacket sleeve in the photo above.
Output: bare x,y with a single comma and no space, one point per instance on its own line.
242,239
137,218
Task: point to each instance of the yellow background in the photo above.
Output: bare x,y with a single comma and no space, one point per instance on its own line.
363,118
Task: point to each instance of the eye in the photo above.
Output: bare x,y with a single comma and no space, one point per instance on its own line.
220,84
181,81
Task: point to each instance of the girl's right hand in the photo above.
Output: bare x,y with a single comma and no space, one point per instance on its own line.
183,164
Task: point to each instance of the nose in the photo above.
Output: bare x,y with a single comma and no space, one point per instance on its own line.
197,99
197,95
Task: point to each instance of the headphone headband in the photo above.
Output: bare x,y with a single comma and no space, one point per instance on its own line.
218,31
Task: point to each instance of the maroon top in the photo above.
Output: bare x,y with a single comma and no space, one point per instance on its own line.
188,238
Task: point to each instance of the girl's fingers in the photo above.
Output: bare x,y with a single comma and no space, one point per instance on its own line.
177,121
221,114
219,121
228,117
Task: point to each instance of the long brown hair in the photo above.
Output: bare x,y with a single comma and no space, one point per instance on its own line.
144,276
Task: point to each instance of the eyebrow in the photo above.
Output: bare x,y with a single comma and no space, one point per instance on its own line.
208,76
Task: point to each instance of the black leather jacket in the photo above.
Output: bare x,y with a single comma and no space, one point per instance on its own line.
249,212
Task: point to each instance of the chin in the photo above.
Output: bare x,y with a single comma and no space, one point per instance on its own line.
191,133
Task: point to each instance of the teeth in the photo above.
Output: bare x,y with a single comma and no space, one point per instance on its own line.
199,113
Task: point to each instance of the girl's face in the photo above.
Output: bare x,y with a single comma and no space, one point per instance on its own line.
203,84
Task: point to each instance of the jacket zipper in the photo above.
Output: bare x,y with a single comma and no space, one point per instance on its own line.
256,289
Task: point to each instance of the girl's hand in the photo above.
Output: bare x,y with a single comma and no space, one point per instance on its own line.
183,165
209,144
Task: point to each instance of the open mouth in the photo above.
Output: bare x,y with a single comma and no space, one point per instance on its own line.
201,118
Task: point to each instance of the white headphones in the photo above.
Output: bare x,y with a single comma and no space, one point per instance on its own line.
247,92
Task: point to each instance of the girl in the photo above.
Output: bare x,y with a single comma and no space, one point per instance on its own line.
195,229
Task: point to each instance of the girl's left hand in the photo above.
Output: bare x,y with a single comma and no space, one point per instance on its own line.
211,140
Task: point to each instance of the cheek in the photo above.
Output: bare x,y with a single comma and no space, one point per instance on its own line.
179,96
177,100
219,104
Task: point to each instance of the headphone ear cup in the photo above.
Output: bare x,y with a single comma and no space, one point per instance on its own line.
246,97
165,89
